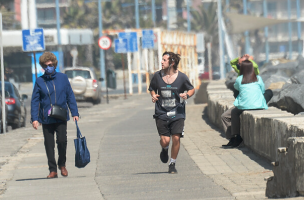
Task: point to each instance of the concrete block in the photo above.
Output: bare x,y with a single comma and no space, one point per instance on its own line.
288,180
273,134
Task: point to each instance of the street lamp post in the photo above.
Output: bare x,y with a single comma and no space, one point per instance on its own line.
58,26
299,26
153,12
289,29
221,40
168,16
136,14
188,16
101,53
266,31
2,77
247,42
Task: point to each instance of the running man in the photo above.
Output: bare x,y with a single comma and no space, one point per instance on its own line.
169,89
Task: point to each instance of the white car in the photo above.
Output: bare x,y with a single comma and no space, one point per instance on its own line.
85,84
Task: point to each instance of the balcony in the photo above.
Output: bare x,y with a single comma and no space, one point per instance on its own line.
51,3
42,22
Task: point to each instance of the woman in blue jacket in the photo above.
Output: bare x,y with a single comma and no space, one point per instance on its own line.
251,89
55,87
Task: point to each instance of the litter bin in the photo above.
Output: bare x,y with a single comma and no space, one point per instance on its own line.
111,79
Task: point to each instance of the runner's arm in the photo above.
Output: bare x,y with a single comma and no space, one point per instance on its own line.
154,96
190,93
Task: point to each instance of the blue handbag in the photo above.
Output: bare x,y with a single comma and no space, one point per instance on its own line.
82,155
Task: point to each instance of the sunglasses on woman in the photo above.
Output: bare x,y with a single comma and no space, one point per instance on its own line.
49,65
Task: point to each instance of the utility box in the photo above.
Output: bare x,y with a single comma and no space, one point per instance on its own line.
111,79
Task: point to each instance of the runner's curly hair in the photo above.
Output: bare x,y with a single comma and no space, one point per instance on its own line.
173,58
48,56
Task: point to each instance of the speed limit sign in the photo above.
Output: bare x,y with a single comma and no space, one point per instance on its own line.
104,42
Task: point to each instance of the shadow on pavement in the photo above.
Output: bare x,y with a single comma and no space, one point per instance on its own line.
245,150
36,179
31,179
151,173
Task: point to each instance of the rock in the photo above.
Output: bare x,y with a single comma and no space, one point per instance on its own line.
298,78
288,68
230,79
276,86
275,79
290,98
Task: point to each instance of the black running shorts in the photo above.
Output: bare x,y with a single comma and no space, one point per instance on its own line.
168,129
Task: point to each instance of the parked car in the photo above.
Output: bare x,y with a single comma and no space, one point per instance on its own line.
204,75
85,84
1,125
16,110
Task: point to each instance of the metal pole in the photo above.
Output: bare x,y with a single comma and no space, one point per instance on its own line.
299,26
168,16
221,42
130,73
35,64
188,16
2,78
123,74
209,45
289,29
28,15
247,43
153,12
266,31
227,5
101,52
136,14
107,91
58,25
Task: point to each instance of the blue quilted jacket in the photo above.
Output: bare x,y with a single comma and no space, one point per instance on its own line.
60,88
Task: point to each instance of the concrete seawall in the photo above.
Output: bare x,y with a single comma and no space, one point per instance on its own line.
267,132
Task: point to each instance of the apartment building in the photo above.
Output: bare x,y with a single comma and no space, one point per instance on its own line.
46,12
279,34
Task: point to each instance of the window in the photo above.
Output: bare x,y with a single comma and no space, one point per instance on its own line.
46,14
74,73
17,92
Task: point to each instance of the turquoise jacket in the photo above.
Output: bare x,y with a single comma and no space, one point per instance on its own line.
251,94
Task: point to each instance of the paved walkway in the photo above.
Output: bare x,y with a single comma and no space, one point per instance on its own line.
125,163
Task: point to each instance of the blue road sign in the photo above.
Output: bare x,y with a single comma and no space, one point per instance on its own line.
33,40
121,45
147,39
132,40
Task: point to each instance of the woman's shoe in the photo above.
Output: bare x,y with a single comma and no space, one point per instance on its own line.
52,175
238,140
231,141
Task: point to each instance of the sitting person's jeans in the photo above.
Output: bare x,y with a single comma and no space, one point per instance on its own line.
227,115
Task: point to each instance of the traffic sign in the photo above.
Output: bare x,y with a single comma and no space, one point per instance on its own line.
147,39
121,45
132,40
33,40
104,42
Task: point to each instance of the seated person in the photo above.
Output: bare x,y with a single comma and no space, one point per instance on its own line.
251,97
226,116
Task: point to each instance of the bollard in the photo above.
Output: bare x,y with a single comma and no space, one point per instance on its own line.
275,163
268,178
282,149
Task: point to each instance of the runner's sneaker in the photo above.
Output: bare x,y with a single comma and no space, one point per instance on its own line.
164,157
172,169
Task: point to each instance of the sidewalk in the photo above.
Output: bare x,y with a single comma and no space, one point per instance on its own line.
125,163
238,170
